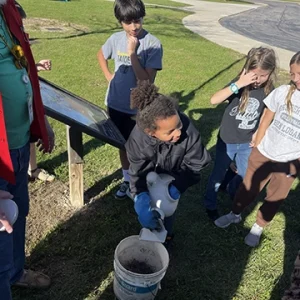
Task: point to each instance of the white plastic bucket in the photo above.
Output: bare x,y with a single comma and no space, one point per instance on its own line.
134,286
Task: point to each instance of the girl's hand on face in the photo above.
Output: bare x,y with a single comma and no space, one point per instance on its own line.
246,79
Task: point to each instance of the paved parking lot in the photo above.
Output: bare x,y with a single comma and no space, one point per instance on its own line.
275,23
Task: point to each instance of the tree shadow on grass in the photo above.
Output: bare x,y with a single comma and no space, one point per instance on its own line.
205,262
78,254
100,186
212,261
208,118
291,211
52,163
163,26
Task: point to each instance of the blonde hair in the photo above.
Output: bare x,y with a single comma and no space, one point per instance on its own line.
265,59
288,100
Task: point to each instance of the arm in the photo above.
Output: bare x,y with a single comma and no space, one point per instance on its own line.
245,79
51,138
195,159
139,71
138,170
104,66
252,143
264,124
139,167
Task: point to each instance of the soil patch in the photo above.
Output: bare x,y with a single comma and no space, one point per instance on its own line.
51,25
49,207
139,267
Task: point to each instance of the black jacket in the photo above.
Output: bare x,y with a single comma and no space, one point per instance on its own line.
183,160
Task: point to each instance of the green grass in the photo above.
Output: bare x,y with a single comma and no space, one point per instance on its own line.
165,2
231,1
206,262
291,0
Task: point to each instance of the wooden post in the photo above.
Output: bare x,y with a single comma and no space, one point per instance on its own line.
75,154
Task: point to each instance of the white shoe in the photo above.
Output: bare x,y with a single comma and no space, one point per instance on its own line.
129,195
122,191
228,219
253,237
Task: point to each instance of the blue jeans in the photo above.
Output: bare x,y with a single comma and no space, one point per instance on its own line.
225,154
12,246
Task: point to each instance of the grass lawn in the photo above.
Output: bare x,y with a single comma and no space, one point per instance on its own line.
291,0
231,1
206,262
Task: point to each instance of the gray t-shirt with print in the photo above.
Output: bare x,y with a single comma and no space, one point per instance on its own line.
149,52
282,139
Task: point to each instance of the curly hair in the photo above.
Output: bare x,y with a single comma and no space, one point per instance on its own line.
151,105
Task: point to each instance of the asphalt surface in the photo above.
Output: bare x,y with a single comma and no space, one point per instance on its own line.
275,23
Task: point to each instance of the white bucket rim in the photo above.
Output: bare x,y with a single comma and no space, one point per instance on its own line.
149,276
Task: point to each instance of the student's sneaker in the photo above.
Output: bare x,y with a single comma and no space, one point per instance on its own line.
129,195
253,237
228,219
122,191
32,279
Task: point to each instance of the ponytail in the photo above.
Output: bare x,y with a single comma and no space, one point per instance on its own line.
288,99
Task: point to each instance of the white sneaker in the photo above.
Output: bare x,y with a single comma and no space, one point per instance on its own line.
228,219
129,195
253,237
121,192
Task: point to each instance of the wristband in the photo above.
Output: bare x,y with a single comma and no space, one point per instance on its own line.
234,88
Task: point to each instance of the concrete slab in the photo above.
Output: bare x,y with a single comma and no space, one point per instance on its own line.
205,22
275,23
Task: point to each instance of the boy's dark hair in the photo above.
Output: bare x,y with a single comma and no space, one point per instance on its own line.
129,10
151,105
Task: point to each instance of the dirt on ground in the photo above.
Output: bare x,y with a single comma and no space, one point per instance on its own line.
50,25
49,207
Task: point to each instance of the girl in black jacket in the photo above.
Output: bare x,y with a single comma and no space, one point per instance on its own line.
165,141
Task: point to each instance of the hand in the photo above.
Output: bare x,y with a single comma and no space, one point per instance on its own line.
110,77
147,217
252,143
51,139
44,65
132,43
246,79
233,167
174,193
5,195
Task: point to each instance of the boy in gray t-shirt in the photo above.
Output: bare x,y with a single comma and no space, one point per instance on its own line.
138,56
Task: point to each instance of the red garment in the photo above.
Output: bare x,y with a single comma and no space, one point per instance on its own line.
38,126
